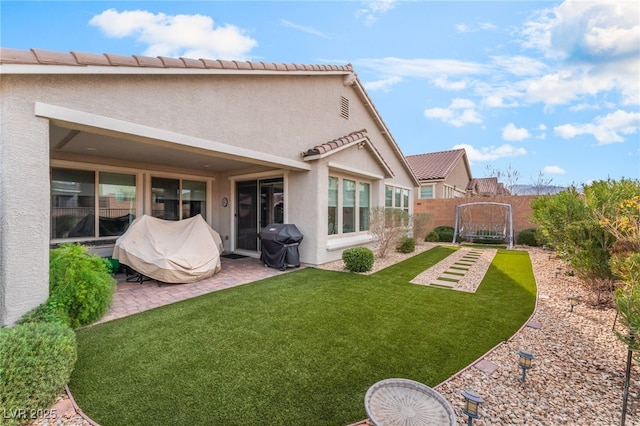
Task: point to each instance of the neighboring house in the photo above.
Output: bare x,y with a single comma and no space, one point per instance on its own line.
486,187
443,174
88,142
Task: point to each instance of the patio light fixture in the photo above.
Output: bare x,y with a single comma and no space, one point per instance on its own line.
471,403
573,301
525,362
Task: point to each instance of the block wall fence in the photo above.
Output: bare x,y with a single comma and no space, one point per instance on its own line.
442,212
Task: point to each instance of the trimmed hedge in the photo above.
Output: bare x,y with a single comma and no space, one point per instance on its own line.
445,233
529,237
36,361
80,285
432,237
407,245
358,259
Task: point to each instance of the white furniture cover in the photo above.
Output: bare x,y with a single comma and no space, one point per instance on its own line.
182,251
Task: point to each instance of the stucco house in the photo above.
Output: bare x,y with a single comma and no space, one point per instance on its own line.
486,187
443,174
90,141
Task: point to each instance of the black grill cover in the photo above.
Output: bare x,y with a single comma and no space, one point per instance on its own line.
280,243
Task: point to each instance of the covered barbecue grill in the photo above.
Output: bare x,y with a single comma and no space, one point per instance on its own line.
280,243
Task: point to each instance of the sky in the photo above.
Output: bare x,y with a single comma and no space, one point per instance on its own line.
547,89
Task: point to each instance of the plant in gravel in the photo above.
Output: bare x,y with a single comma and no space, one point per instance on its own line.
80,284
529,237
36,361
388,226
445,233
432,237
407,245
358,259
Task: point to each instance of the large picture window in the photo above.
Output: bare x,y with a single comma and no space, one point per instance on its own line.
74,211
348,205
175,199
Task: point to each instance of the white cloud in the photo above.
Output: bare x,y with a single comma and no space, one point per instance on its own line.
384,84
423,68
459,113
542,127
193,36
443,83
519,65
490,153
553,170
596,43
511,133
463,28
605,129
373,9
308,30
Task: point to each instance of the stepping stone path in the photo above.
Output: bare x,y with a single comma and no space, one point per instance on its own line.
463,270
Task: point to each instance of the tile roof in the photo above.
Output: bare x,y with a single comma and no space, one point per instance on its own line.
75,58
488,186
435,165
360,136
336,143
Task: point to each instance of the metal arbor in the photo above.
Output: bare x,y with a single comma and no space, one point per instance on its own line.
484,220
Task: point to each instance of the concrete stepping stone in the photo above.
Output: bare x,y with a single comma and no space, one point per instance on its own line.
451,276
441,283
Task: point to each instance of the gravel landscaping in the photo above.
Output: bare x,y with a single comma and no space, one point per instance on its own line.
578,370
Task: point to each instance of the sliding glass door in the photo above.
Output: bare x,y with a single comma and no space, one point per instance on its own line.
258,203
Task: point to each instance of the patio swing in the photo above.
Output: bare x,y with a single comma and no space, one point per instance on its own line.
484,220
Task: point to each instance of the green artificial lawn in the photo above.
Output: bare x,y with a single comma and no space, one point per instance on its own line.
301,348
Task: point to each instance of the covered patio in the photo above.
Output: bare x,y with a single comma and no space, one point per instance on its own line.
133,297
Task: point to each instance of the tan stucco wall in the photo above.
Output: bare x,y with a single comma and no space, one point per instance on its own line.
277,115
24,201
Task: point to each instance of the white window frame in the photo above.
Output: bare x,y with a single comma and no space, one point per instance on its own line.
433,191
338,226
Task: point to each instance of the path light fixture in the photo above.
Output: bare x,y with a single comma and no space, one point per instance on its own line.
558,269
573,301
471,403
525,362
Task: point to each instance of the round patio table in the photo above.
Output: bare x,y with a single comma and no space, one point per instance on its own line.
405,402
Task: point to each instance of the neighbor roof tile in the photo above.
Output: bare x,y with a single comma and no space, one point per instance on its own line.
434,165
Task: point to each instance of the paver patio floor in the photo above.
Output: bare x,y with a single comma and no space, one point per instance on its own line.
133,297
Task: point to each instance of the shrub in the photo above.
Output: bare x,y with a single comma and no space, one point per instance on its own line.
445,233
358,259
433,237
36,361
407,245
529,237
80,284
50,311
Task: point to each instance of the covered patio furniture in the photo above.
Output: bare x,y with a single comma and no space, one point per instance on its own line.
170,251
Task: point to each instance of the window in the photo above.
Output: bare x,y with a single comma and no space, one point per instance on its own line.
75,212
175,199
349,207
398,198
426,191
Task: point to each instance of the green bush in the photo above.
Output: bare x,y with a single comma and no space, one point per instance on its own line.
529,237
36,361
80,284
433,237
358,259
445,233
50,311
407,245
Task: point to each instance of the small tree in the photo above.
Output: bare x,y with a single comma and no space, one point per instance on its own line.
508,177
388,226
540,184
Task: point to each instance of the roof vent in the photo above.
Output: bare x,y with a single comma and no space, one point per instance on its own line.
344,107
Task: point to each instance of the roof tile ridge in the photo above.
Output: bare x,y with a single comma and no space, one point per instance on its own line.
51,57
121,60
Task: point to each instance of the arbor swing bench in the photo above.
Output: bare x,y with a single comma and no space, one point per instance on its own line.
488,228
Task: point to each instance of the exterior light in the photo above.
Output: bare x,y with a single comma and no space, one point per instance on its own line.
525,362
471,403
558,271
573,301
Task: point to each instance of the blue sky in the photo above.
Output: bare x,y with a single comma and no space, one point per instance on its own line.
538,87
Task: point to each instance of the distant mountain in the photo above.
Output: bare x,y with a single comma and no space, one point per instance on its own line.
532,190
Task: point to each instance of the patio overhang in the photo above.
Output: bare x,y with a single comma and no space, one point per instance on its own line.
80,133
